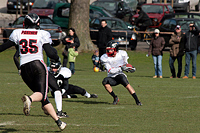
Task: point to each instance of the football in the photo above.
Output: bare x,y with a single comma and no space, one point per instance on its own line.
96,69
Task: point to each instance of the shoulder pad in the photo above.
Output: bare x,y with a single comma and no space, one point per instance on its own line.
65,72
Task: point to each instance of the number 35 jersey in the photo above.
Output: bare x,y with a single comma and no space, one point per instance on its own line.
30,43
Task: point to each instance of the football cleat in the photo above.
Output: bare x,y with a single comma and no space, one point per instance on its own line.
61,114
116,100
139,103
61,125
27,105
93,96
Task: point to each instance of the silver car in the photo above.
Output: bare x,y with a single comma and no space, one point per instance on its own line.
45,23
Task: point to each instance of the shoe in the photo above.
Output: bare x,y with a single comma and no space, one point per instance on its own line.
61,125
154,76
160,77
116,100
139,103
27,105
45,111
172,77
193,77
185,77
93,96
61,114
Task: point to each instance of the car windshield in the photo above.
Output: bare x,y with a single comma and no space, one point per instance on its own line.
117,25
45,4
110,6
44,20
152,9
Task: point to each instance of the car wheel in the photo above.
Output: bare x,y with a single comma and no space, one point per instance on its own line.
5,36
55,43
133,44
197,7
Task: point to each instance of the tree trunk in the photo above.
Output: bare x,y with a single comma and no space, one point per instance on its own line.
79,20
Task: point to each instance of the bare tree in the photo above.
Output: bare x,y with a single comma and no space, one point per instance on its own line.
79,20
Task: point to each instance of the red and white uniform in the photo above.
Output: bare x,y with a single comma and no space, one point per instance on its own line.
113,64
30,42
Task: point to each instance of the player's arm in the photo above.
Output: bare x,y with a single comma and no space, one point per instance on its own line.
6,45
16,59
51,52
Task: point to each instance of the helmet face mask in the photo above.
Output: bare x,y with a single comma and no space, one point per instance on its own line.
111,49
53,66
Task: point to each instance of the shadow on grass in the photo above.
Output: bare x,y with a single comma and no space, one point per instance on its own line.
24,115
86,102
8,130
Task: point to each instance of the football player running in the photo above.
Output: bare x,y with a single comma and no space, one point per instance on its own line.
62,74
113,61
52,84
31,42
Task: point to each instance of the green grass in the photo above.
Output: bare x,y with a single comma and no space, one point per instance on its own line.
169,105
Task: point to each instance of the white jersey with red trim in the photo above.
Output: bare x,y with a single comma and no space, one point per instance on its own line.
113,64
30,43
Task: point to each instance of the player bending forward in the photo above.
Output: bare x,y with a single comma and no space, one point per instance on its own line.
113,61
62,74
31,42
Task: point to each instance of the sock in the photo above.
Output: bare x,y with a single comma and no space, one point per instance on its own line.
87,94
113,94
58,122
58,100
30,98
63,91
135,97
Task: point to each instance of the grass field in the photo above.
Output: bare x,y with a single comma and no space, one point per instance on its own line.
169,105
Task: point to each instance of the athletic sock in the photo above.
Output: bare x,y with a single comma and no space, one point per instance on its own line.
135,97
30,98
113,94
63,91
58,122
87,94
58,100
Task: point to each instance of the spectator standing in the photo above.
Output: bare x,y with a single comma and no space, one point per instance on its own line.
72,58
95,59
104,36
191,50
177,43
70,39
143,19
155,48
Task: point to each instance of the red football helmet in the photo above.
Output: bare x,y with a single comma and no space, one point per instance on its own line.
111,48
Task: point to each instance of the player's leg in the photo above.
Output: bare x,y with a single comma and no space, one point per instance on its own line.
108,83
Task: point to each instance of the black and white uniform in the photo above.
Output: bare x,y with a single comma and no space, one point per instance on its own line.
113,67
30,43
62,81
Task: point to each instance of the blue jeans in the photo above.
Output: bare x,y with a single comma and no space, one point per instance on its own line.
171,65
188,55
72,67
157,60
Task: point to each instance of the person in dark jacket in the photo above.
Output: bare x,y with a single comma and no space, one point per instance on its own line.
191,50
177,43
143,19
155,48
104,36
70,39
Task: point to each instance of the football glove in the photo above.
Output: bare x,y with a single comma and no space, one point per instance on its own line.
128,68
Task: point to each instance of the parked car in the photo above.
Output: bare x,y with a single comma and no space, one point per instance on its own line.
183,5
45,23
61,14
45,7
120,31
118,8
155,11
169,25
12,5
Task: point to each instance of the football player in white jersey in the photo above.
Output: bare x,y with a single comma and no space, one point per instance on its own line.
57,92
62,74
31,42
113,61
